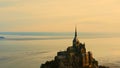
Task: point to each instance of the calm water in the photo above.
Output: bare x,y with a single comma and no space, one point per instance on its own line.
30,50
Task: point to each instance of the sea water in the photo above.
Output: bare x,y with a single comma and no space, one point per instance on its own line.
31,49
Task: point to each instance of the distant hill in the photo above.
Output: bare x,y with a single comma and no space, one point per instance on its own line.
2,38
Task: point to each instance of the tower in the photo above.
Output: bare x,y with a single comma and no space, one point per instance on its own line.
75,40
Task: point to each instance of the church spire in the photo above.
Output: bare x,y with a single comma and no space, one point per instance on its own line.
75,40
75,31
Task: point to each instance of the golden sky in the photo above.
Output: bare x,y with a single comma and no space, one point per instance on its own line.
60,15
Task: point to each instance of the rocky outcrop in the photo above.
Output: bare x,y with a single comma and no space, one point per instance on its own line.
75,56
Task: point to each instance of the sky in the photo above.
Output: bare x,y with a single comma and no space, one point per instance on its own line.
60,15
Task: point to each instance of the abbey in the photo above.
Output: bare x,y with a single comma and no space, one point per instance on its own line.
75,56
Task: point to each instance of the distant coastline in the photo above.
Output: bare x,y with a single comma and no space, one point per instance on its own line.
64,34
